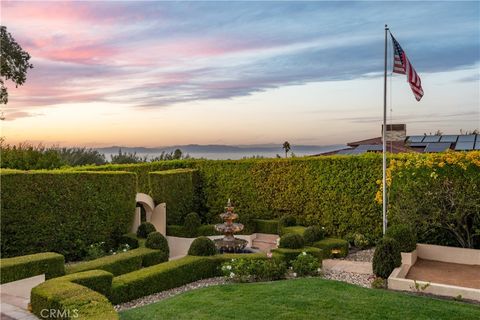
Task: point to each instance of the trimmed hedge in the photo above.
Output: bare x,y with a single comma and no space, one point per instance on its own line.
169,275
292,241
266,226
97,280
386,257
405,236
131,239
313,234
329,244
291,254
293,229
71,301
17,268
63,210
144,229
176,188
122,263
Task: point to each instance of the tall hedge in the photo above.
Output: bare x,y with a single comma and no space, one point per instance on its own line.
63,211
177,188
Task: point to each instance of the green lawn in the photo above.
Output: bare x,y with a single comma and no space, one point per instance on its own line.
313,298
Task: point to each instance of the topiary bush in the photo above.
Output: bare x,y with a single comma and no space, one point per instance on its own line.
202,246
155,240
313,234
144,229
287,221
292,241
386,257
306,265
192,223
405,236
360,241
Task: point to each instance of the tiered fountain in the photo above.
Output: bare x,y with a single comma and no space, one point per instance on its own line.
229,243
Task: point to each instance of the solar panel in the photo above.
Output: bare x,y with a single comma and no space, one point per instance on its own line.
415,138
466,138
351,152
418,144
370,147
449,138
477,144
437,147
431,139
464,145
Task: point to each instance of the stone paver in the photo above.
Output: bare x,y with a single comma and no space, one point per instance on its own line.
347,266
15,297
265,242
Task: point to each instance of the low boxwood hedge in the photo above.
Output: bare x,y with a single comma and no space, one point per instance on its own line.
266,226
131,239
291,254
49,263
329,244
97,280
169,275
180,231
122,263
69,300
294,229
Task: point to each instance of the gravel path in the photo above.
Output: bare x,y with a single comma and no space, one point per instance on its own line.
363,280
169,293
361,255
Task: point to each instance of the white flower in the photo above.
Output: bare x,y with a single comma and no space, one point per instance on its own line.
304,253
294,274
319,270
229,267
127,246
233,260
114,253
232,274
124,250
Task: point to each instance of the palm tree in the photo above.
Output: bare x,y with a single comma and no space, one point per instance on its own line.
286,147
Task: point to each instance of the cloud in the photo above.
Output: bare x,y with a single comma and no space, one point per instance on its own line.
152,54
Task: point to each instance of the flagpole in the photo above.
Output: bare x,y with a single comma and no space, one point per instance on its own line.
384,142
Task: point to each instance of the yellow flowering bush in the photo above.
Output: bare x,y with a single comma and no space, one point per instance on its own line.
438,193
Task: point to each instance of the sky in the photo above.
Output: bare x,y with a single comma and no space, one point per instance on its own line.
169,73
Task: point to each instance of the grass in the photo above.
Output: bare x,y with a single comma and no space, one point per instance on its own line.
312,298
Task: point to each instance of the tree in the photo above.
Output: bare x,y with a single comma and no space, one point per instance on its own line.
127,157
13,63
286,147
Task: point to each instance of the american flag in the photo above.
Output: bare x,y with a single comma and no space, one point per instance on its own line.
403,66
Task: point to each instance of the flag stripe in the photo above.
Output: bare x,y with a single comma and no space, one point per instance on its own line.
402,65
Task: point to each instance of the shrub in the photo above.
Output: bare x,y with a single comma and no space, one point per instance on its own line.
144,229
250,270
202,246
207,230
332,248
360,241
295,229
176,231
74,299
65,210
379,283
192,223
17,268
266,226
155,240
130,239
122,263
287,221
306,265
288,255
447,184
313,234
97,280
405,236
95,251
292,241
386,257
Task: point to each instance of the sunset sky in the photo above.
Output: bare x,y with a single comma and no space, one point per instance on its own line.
164,73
